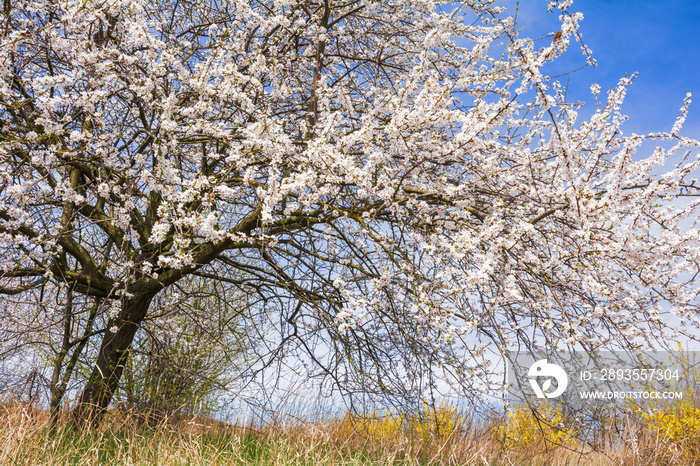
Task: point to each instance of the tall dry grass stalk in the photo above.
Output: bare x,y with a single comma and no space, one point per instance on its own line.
27,438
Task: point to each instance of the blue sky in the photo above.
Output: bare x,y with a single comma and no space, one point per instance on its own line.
660,40
657,39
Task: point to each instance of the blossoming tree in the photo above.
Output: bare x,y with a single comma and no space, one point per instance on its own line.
399,177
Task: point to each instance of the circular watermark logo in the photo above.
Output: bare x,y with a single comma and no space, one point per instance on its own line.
542,369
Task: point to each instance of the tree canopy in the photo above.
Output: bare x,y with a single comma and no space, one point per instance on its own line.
398,182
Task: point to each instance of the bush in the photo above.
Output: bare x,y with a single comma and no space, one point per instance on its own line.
438,423
543,425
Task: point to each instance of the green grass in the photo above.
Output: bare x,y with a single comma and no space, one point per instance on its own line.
27,439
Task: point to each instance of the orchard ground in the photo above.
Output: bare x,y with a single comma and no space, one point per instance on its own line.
444,438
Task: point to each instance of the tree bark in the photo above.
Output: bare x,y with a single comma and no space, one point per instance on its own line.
103,382
59,384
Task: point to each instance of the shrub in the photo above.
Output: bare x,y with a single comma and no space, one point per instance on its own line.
542,424
675,426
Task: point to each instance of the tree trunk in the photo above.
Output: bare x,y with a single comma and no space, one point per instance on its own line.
103,382
57,389
59,383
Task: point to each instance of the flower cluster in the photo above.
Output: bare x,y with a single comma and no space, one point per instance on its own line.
370,166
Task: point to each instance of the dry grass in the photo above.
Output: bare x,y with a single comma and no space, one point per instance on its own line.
27,439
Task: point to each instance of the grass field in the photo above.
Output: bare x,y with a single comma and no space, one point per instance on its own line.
26,438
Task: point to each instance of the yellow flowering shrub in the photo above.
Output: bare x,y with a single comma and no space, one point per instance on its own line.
677,427
440,422
523,428
676,424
